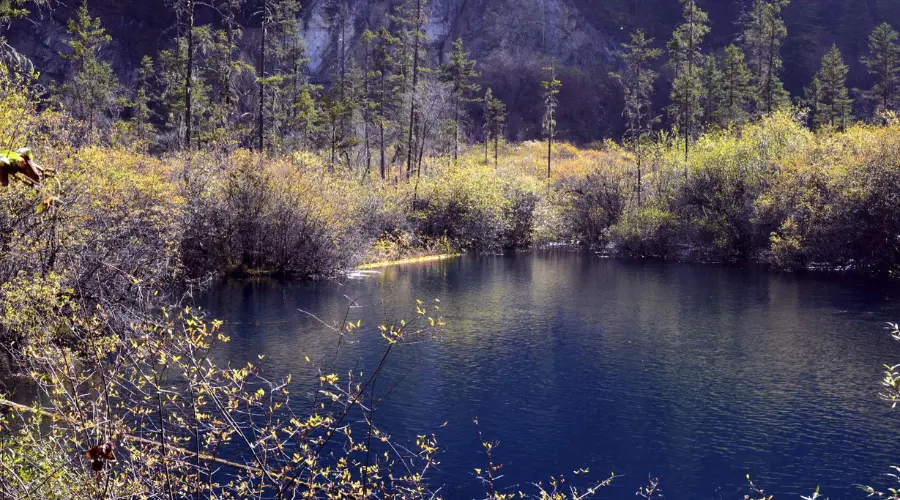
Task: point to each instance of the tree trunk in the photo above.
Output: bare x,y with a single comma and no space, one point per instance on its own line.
496,149
260,119
381,127
333,143
770,71
188,83
366,116
639,183
549,144
413,116
456,130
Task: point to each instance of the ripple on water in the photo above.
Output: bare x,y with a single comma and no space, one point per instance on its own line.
700,374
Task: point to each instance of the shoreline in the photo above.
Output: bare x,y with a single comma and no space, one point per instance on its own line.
412,260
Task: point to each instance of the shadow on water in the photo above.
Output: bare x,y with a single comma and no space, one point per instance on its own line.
698,374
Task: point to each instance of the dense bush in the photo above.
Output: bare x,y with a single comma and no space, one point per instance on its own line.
475,206
271,215
770,191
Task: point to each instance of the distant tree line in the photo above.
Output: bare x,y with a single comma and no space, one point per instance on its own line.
387,106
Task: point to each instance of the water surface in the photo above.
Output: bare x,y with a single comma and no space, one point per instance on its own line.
697,374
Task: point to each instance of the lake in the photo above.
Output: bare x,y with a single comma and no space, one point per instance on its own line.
696,374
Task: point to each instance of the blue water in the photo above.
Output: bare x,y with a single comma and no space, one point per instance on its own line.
696,374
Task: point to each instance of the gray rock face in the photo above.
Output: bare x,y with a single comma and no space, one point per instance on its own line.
519,28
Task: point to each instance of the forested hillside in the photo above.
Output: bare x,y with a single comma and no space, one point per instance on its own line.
511,40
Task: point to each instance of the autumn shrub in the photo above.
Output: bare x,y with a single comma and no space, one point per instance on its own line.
593,203
649,232
171,422
835,205
273,216
111,235
465,204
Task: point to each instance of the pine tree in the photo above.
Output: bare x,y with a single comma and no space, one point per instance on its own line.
685,58
16,9
459,73
712,95
486,111
338,106
181,61
208,93
265,14
551,88
386,85
415,38
764,32
810,101
833,104
496,118
285,73
637,82
214,99
334,108
92,89
223,65
736,87
141,114
883,63
183,94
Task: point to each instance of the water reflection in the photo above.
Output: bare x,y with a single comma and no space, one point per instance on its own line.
700,374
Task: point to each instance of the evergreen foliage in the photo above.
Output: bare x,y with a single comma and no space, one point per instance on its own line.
91,92
883,62
685,61
763,36
833,105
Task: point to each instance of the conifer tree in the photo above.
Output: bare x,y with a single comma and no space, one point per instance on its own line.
286,67
736,87
338,106
333,109
223,65
141,115
459,73
496,118
486,112
180,61
261,74
551,88
883,63
764,32
93,87
417,38
810,101
385,85
368,38
637,82
712,95
833,104
685,58
186,102
213,97
12,9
